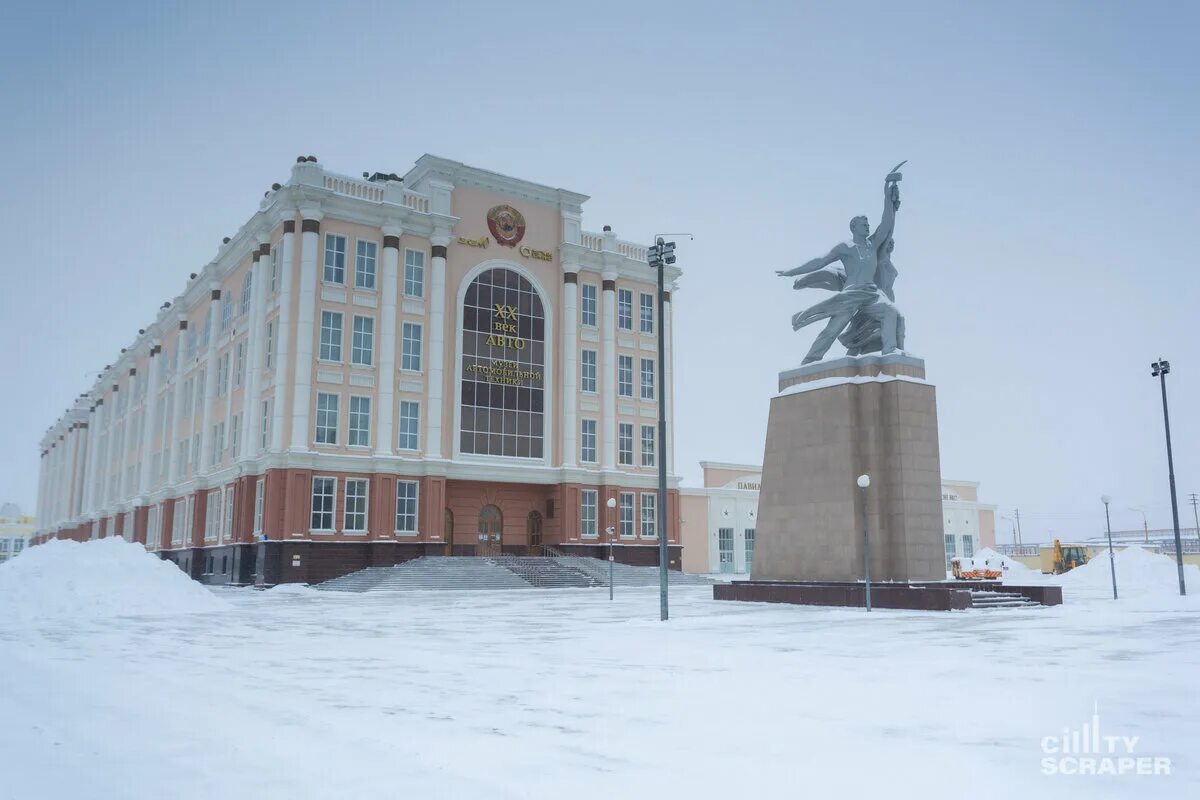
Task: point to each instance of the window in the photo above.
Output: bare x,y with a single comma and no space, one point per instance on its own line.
222,375
587,441
335,258
625,376
18,546
968,546
264,428
588,500
647,379
327,418
362,341
218,444
587,369
649,515
246,292
406,506
226,311
587,305
190,342
410,424
647,308
748,543
196,454
324,492
414,273
501,382
359,434
725,549
625,309
235,425
239,365
259,487
226,531
626,515
364,265
181,466
212,514
648,441
201,379
410,359
355,517
625,444
274,270
950,553
270,357
153,521
331,336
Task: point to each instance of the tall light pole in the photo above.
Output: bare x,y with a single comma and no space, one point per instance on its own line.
1112,562
1159,369
612,503
1145,524
661,255
863,482
1013,525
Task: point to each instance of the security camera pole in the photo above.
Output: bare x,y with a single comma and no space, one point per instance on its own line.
1112,563
612,503
863,482
1159,369
661,255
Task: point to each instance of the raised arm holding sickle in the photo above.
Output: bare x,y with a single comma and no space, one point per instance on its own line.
860,259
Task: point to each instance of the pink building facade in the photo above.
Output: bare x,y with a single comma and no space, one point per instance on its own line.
377,369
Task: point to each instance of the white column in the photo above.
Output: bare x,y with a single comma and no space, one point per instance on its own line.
83,445
310,241
437,345
177,404
95,427
38,512
210,375
110,447
51,481
283,332
385,413
68,493
570,328
257,334
608,395
149,419
669,370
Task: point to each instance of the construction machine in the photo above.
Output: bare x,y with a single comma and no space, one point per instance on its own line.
1067,558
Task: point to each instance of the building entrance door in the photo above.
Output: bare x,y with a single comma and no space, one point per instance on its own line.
491,524
533,527
448,531
725,549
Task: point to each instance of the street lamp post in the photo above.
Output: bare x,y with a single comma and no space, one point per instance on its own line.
1159,369
661,255
863,482
1145,524
1112,562
612,503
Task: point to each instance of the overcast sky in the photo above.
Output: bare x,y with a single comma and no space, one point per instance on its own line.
1047,243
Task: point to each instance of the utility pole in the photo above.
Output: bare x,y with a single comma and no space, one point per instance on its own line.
1159,369
1018,515
1196,514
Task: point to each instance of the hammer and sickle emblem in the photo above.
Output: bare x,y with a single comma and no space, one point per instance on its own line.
506,312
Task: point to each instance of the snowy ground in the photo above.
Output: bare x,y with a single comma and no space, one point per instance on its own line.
294,693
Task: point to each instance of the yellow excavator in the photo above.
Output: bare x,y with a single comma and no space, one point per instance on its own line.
1069,557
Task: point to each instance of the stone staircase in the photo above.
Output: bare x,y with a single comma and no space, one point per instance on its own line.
504,572
1000,599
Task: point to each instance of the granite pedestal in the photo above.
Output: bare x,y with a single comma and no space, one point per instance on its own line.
831,422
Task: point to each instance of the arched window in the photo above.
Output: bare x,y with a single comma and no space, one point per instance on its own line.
491,524
503,366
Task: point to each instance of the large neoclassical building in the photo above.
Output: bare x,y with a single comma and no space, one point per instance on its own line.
376,369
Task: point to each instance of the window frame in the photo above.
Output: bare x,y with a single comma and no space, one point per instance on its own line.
588,371
360,258
589,527
328,269
646,313
632,517
405,357
332,497
625,444
653,520
362,340
363,430
648,388
625,309
584,437
326,351
649,455
416,508
366,505
584,302
405,419
416,269
318,419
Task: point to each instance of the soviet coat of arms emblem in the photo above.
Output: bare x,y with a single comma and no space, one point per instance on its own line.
506,224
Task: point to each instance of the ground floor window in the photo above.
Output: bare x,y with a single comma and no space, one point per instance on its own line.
259,485
649,515
356,505
587,512
749,532
949,549
968,549
406,506
627,531
324,491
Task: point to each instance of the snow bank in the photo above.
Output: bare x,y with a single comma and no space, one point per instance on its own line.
97,579
1139,572
1014,571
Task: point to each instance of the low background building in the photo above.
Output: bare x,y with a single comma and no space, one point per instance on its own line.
16,530
718,521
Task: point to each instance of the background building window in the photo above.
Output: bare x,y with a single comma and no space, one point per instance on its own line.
406,506
648,432
414,273
246,286
950,553
625,309
327,418
625,444
587,304
362,341
410,359
259,488
587,441
331,336
587,371
627,515
410,425
647,379
355,516
335,258
588,500
503,363
364,265
625,376
324,493
649,515
359,431
647,309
